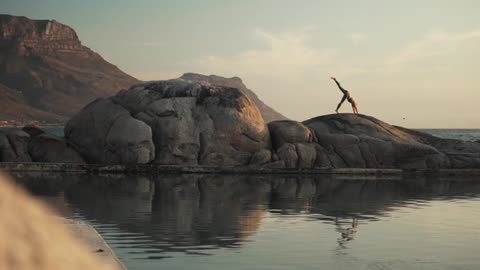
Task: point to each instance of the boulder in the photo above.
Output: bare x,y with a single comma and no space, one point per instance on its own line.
287,131
14,146
6,151
261,157
50,148
105,132
359,141
460,154
197,124
182,122
307,154
33,130
288,154
268,113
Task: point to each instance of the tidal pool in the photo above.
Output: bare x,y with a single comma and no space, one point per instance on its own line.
274,222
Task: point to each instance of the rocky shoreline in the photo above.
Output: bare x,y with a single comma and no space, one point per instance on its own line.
186,123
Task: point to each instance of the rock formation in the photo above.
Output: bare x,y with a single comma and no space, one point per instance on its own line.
268,113
46,74
188,123
105,132
356,141
33,144
184,122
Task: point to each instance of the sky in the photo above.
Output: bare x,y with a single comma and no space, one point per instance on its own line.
413,63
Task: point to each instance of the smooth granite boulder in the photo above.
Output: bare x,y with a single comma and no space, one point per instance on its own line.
50,148
105,132
197,124
360,141
287,131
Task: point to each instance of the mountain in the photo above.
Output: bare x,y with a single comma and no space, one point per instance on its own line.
47,75
267,112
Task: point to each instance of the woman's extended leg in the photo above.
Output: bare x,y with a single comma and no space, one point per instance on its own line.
354,108
341,102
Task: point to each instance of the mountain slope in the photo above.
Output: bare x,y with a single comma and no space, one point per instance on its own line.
46,74
268,113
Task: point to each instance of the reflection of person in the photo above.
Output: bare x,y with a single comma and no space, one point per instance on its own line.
347,234
346,96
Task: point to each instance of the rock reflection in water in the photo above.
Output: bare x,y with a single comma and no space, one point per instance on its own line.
195,213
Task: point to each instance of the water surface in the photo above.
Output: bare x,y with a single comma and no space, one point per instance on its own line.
252,222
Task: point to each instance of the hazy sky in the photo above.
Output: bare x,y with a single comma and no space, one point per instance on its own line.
412,62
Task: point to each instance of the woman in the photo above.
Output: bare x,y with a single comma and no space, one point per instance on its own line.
346,96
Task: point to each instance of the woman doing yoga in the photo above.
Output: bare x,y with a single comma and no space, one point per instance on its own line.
346,96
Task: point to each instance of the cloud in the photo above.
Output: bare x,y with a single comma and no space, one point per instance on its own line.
283,55
433,44
357,38
149,44
156,75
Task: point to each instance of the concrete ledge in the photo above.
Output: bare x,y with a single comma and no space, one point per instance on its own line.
151,169
94,243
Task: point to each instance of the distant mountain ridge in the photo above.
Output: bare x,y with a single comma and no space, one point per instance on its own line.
268,113
46,74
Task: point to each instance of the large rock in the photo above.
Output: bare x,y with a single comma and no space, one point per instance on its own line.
307,155
288,154
33,130
461,154
6,152
287,131
50,148
188,122
261,157
104,132
268,113
14,146
183,122
361,141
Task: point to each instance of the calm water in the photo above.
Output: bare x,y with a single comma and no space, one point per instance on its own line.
251,222
459,134
52,130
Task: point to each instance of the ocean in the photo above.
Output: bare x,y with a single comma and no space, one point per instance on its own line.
459,134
